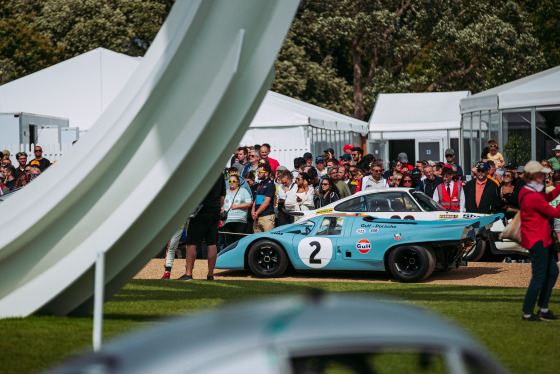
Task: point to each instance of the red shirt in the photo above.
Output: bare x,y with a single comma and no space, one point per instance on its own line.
535,212
273,164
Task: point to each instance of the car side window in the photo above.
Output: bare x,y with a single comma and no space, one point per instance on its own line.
357,204
330,226
391,202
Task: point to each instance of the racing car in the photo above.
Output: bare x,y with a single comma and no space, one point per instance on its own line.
411,204
409,250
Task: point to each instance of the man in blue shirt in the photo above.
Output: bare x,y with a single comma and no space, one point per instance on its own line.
263,206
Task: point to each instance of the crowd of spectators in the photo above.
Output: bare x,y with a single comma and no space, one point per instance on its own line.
15,177
270,189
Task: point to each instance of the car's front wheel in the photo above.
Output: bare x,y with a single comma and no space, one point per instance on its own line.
267,259
411,263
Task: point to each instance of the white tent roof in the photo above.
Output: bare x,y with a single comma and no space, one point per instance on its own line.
278,110
417,111
535,90
80,88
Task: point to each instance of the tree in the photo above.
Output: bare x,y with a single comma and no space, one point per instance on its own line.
430,45
23,50
545,18
78,26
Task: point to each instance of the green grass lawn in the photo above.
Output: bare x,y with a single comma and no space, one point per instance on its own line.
491,314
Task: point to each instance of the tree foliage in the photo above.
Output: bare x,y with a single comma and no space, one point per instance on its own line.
23,49
416,46
78,26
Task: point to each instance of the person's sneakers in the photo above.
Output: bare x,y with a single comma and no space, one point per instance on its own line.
532,318
549,316
185,277
166,275
210,277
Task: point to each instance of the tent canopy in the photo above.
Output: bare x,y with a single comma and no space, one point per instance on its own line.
279,110
80,88
539,89
417,111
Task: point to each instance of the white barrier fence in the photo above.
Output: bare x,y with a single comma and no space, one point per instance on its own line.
51,152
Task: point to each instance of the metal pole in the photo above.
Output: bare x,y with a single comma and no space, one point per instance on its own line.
98,301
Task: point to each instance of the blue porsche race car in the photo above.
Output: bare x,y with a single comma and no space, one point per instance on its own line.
409,250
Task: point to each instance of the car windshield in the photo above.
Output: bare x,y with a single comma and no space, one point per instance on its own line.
300,228
426,202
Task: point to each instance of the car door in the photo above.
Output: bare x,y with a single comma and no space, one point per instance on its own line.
316,250
363,246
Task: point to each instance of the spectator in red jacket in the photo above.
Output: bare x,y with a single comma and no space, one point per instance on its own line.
536,236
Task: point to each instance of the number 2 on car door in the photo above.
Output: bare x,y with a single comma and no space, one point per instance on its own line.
315,252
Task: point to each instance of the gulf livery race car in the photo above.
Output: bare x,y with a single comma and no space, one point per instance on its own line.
411,204
409,250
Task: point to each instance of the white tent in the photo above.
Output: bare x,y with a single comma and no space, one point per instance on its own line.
293,127
79,89
424,124
539,89
82,87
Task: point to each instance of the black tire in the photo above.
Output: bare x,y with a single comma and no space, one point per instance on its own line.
476,252
411,263
267,259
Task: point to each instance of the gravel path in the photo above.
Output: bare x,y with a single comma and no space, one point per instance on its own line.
475,274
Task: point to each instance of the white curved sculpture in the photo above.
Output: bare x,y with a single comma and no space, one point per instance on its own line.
138,173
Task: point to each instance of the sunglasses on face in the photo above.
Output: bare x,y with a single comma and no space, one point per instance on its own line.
376,171
37,150
448,155
233,181
324,184
507,175
493,146
407,181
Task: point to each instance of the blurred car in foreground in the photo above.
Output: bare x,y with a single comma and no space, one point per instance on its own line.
296,335
411,204
408,250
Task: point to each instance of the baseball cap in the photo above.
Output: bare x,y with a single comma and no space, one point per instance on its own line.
319,159
535,167
416,172
483,166
450,151
35,162
403,157
281,167
521,169
329,150
346,157
307,155
510,166
347,146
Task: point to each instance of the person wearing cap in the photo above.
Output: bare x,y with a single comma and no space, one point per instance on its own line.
320,165
481,194
450,193
405,166
22,160
308,158
345,159
535,236
450,160
347,149
555,161
6,154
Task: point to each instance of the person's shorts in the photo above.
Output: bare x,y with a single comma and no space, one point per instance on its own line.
203,227
557,225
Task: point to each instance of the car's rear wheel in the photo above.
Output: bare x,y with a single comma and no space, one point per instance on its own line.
476,252
411,263
267,259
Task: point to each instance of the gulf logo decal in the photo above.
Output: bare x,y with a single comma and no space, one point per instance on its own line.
363,246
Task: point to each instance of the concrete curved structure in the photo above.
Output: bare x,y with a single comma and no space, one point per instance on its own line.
126,186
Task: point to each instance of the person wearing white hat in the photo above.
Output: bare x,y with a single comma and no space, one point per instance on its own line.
555,161
535,236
